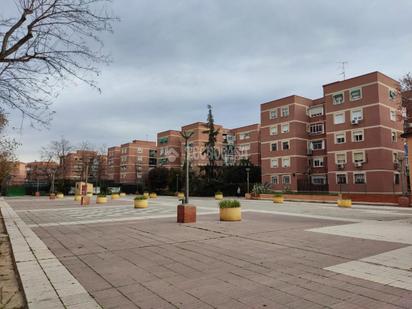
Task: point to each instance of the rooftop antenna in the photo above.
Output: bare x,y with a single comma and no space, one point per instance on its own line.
343,64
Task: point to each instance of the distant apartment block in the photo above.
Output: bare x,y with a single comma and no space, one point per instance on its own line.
169,146
232,145
129,162
18,174
247,143
81,163
39,171
348,140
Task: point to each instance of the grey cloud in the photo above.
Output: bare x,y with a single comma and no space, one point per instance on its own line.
172,58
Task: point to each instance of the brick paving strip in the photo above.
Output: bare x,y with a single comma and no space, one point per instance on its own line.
46,282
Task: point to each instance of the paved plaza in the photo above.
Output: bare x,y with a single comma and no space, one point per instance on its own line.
295,255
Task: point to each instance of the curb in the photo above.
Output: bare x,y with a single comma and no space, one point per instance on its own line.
46,282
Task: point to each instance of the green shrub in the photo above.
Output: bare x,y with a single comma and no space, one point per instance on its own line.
219,193
229,204
140,198
278,195
101,195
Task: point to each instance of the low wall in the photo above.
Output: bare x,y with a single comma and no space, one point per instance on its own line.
386,199
375,199
301,197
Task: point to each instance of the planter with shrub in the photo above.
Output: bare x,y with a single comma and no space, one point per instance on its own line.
218,196
230,210
115,196
52,196
180,195
89,194
140,201
59,195
346,203
101,199
77,198
146,194
153,195
278,198
122,194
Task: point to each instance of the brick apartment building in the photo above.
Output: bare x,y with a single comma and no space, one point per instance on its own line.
77,164
247,143
348,140
169,146
128,163
18,174
232,145
39,171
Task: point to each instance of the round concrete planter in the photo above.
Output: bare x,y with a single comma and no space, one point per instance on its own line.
122,194
101,200
140,204
59,195
77,198
146,194
115,196
180,196
218,197
278,199
403,201
345,203
230,214
89,194
153,195
52,196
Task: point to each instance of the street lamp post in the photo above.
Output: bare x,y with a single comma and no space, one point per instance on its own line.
186,136
177,183
247,178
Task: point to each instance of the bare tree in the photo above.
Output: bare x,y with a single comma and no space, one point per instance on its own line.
57,151
88,157
7,155
50,167
47,43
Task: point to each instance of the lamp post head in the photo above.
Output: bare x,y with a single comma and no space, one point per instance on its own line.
248,169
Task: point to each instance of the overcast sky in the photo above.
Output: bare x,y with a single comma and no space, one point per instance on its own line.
172,58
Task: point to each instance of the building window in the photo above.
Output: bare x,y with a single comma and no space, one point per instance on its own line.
341,179
124,150
273,114
274,180
394,136
285,111
318,180
318,162
285,128
139,158
357,136
244,147
274,147
338,98
355,94
316,128
315,111
339,118
392,94
285,145
274,163
274,130
244,135
356,115
393,114
139,150
286,179
316,145
340,158
340,138
359,157
359,178
285,162
396,178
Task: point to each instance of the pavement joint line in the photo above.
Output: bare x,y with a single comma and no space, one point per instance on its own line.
391,268
34,261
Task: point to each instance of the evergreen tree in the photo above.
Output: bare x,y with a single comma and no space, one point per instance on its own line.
210,146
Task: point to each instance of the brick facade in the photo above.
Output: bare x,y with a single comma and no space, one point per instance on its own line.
348,139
